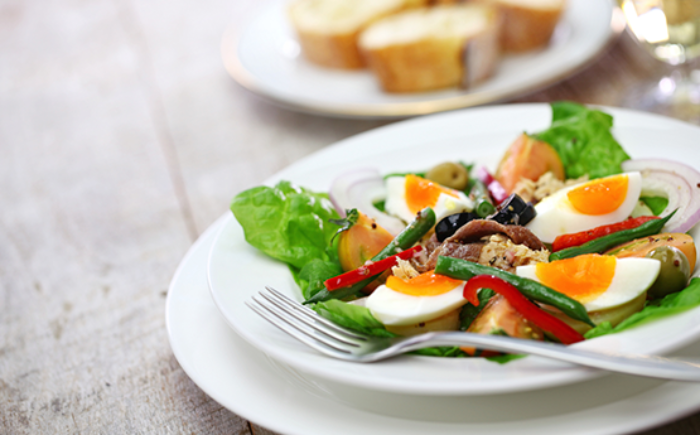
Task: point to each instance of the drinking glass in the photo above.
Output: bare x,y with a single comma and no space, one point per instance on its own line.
670,31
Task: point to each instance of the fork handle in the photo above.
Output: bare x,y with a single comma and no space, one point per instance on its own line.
640,365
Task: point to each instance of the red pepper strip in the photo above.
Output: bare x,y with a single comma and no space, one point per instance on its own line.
368,269
565,333
497,191
578,239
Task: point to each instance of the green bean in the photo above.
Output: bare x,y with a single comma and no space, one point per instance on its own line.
464,270
423,222
483,206
602,244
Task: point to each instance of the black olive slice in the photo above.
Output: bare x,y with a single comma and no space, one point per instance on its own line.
527,215
450,224
514,211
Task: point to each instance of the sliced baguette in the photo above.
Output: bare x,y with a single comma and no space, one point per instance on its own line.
527,24
328,29
432,48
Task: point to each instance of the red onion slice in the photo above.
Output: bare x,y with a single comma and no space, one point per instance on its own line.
497,191
359,189
676,181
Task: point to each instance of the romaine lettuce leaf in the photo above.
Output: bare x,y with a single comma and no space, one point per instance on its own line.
469,311
352,316
672,304
287,222
503,359
441,351
582,138
314,273
657,204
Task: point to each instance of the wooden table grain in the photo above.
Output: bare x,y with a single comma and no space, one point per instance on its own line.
121,139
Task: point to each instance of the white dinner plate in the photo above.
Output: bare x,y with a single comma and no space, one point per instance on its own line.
245,381
238,271
265,58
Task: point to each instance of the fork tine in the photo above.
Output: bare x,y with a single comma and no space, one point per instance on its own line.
311,321
296,306
297,330
275,321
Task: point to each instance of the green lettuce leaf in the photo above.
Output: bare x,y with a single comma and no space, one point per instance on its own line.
380,205
503,359
403,174
441,351
672,304
582,138
287,222
352,317
604,328
314,273
469,311
657,204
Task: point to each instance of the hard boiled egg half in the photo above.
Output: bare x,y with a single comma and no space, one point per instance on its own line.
597,281
585,206
420,299
408,195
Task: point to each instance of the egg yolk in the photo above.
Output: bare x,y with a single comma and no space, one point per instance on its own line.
583,278
422,193
426,284
600,196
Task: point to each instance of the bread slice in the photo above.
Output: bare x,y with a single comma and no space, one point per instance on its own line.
527,24
432,48
328,29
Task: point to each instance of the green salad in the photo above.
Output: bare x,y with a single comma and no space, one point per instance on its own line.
567,239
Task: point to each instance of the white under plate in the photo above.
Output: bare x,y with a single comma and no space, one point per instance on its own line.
248,383
238,271
265,58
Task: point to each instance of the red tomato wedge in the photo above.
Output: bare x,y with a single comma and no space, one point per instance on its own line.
564,333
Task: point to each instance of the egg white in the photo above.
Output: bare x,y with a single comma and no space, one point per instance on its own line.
556,215
633,276
446,205
393,308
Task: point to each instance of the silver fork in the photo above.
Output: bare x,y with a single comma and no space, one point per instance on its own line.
333,340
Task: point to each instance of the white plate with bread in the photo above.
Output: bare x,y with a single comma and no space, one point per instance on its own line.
400,58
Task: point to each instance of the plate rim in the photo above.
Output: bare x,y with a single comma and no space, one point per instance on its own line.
231,40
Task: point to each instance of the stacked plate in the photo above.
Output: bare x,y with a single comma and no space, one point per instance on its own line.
260,373
265,58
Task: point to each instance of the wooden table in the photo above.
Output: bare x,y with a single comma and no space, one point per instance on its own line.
121,139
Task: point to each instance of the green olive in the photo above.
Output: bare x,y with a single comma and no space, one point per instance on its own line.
674,273
448,174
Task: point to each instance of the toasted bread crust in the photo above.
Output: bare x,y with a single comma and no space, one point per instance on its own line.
419,66
332,51
526,28
481,55
434,63
337,48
